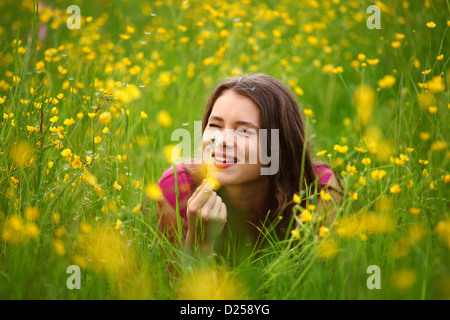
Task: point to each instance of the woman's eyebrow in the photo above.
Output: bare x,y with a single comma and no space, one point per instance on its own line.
237,122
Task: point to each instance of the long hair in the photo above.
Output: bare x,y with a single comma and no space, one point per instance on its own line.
279,110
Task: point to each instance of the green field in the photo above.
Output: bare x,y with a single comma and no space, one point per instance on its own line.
85,133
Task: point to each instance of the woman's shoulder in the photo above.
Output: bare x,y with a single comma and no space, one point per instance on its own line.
323,173
186,182
327,177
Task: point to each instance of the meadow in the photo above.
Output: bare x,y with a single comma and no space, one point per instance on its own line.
85,133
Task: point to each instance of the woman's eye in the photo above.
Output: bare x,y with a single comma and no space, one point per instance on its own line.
244,131
213,125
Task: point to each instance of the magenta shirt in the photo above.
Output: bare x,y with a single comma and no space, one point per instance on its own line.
187,185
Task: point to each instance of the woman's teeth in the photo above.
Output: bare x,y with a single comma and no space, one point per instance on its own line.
227,160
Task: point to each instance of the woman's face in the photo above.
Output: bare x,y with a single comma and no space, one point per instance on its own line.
234,121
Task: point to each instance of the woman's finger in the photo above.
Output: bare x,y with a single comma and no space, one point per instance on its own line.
197,191
208,206
216,208
201,197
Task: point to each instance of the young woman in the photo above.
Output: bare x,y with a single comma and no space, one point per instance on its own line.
236,111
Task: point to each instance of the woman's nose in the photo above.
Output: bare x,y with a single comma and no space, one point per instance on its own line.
225,138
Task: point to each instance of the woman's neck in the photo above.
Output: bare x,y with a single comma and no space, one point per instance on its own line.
249,200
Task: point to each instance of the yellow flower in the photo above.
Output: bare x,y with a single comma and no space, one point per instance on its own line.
305,216
117,186
341,149
414,211
137,208
395,188
76,163
66,152
104,117
144,115
404,279
366,161
31,128
373,62
436,84
438,145
32,213
324,232
69,122
97,139
118,224
378,174
295,234
164,118
431,24
432,109
321,153
31,230
308,112
54,119
354,195
296,198
424,136
386,82
60,249
443,230
396,44
364,99
327,249
362,181
351,169
440,57
124,36
210,284
325,196
153,191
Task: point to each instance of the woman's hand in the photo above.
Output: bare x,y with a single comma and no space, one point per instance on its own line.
207,212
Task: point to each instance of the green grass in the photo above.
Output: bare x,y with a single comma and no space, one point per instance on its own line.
155,64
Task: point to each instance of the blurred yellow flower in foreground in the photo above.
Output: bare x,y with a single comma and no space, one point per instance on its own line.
153,191
108,251
164,118
32,213
364,99
327,249
211,284
21,154
365,222
16,231
403,279
443,230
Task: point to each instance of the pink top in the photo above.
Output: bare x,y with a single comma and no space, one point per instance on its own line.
187,185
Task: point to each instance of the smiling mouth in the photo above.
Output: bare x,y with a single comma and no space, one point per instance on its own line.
222,159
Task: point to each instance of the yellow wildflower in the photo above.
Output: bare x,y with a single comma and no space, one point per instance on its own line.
305,216
395,188
386,82
117,186
431,24
164,118
378,174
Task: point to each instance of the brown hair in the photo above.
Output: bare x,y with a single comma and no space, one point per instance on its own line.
279,110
